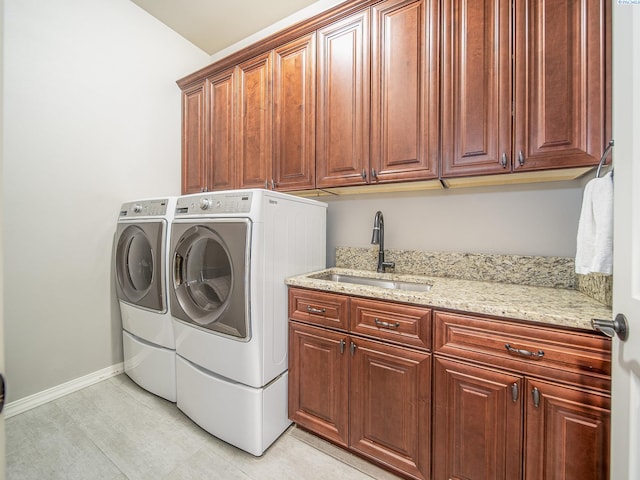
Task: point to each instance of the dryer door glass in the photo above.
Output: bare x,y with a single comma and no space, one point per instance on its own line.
138,265
210,277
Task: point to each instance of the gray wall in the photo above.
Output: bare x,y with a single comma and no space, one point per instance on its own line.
91,119
533,219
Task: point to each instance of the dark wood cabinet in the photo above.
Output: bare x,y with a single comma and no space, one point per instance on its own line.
567,432
194,160
318,385
405,93
294,115
477,421
558,114
476,87
390,404
221,161
342,150
562,69
517,401
369,396
378,95
254,126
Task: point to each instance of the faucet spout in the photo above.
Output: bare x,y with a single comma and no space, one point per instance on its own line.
378,239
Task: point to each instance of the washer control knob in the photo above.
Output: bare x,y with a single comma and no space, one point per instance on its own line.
137,208
205,203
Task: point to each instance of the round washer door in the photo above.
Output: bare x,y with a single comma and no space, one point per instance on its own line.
211,277
139,264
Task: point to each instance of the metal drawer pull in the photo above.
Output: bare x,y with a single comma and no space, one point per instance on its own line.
380,323
524,353
342,344
353,347
535,394
311,309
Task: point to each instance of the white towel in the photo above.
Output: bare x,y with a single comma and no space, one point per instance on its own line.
594,252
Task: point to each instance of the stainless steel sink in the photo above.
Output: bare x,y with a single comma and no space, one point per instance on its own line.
375,282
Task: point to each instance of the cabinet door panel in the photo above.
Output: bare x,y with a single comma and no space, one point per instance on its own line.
193,139
342,151
476,422
567,434
255,122
404,90
222,171
476,90
561,97
390,405
318,383
295,114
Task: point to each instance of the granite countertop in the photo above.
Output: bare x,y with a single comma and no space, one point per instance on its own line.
555,306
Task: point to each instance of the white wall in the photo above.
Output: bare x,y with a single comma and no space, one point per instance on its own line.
91,119
535,219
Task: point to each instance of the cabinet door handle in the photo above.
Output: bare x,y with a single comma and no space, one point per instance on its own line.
374,174
535,394
514,392
266,184
319,311
503,160
273,184
524,353
521,158
353,347
380,323
342,344
364,174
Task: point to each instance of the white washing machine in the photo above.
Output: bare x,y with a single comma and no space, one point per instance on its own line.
141,259
231,252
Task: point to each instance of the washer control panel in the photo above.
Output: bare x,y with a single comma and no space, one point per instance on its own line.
144,208
215,203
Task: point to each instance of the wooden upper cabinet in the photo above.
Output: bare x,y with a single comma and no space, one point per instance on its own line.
476,87
561,77
254,126
294,115
221,131
194,168
404,90
342,150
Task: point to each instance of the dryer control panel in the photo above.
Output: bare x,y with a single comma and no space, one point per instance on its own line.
144,208
215,203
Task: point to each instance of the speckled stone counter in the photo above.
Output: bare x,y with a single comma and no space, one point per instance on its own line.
556,306
537,271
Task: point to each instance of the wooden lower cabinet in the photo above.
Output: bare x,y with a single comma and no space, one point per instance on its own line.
363,395
493,425
389,405
567,433
477,425
318,385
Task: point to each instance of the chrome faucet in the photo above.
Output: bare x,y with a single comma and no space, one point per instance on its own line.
378,239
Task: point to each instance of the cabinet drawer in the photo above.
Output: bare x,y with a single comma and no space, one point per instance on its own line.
572,356
405,324
318,308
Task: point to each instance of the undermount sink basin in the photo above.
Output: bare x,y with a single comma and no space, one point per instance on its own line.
376,282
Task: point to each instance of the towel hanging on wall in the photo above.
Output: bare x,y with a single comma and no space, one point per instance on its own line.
594,252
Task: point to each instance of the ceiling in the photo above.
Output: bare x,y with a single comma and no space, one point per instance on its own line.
214,25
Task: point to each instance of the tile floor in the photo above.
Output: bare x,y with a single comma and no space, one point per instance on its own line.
116,430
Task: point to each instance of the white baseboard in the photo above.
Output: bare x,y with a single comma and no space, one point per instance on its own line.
40,398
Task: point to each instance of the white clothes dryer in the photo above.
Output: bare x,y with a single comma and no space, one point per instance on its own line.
231,252
141,255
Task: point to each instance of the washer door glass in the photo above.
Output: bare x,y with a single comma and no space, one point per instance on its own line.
137,266
210,275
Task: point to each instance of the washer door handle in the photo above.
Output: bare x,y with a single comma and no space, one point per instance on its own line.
177,269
